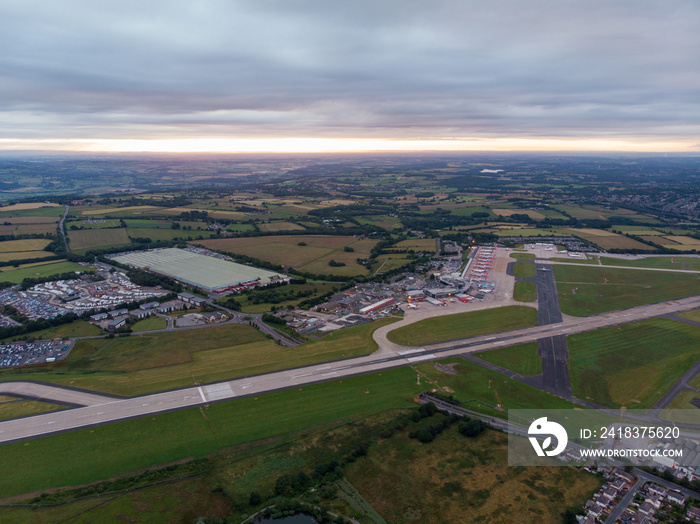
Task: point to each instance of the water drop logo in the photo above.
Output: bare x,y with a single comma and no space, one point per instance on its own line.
542,427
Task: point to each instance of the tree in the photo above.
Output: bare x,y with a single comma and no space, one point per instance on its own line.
471,428
425,435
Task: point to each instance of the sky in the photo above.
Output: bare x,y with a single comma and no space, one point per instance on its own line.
334,75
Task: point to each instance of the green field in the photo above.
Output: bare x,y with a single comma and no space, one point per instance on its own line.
79,328
587,290
523,256
691,263
149,324
463,325
569,260
165,234
633,364
44,270
147,363
524,269
525,291
523,359
11,407
79,457
458,479
25,244
691,315
313,257
91,238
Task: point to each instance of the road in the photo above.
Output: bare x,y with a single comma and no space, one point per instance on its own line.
62,228
617,511
120,409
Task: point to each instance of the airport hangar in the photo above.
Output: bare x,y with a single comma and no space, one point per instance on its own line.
208,273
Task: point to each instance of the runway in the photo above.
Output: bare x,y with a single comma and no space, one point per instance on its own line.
109,409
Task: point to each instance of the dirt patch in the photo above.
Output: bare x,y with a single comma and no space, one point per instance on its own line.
447,369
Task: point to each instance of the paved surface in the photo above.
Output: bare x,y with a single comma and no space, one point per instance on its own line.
62,395
120,409
553,350
681,385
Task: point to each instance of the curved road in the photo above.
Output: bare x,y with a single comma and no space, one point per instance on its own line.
113,409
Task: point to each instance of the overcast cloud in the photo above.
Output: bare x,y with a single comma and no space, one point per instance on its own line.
382,69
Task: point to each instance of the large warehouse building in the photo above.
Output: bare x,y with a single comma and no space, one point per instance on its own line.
202,271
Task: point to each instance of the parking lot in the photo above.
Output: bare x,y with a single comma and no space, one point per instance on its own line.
27,353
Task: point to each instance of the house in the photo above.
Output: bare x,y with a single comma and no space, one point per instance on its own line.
98,317
627,477
677,497
647,509
116,324
118,313
215,316
141,313
693,514
655,489
150,305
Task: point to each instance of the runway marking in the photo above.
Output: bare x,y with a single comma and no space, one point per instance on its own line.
201,394
422,357
411,351
219,391
144,405
489,338
329,374
246,386
51,422
101,413
304,375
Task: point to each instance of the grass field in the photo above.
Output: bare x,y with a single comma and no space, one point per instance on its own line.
312,257
530,232
523,269
147,363
249,305
523,359
691,315
691,263
386,263
418,244
462,325
24,255
570,260
11,407
681,408
523,256
280,226
457,479
127,210
26,244
535,215
587,290
631,364
43,270
90,238
148,324
79,328
525,292
26,205
163,234
609,240
79,457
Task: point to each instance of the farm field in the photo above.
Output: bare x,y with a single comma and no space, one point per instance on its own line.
312,257
523,359
91,238
280,226
165,234
25,255
11,407
27,205
23,245
142,364
587,290
42,270
633,364
126,210
463,325
535,215
418,244
525,291
609,240
680,243
48,210
530,232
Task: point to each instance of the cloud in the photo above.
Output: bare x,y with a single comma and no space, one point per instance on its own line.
395,69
